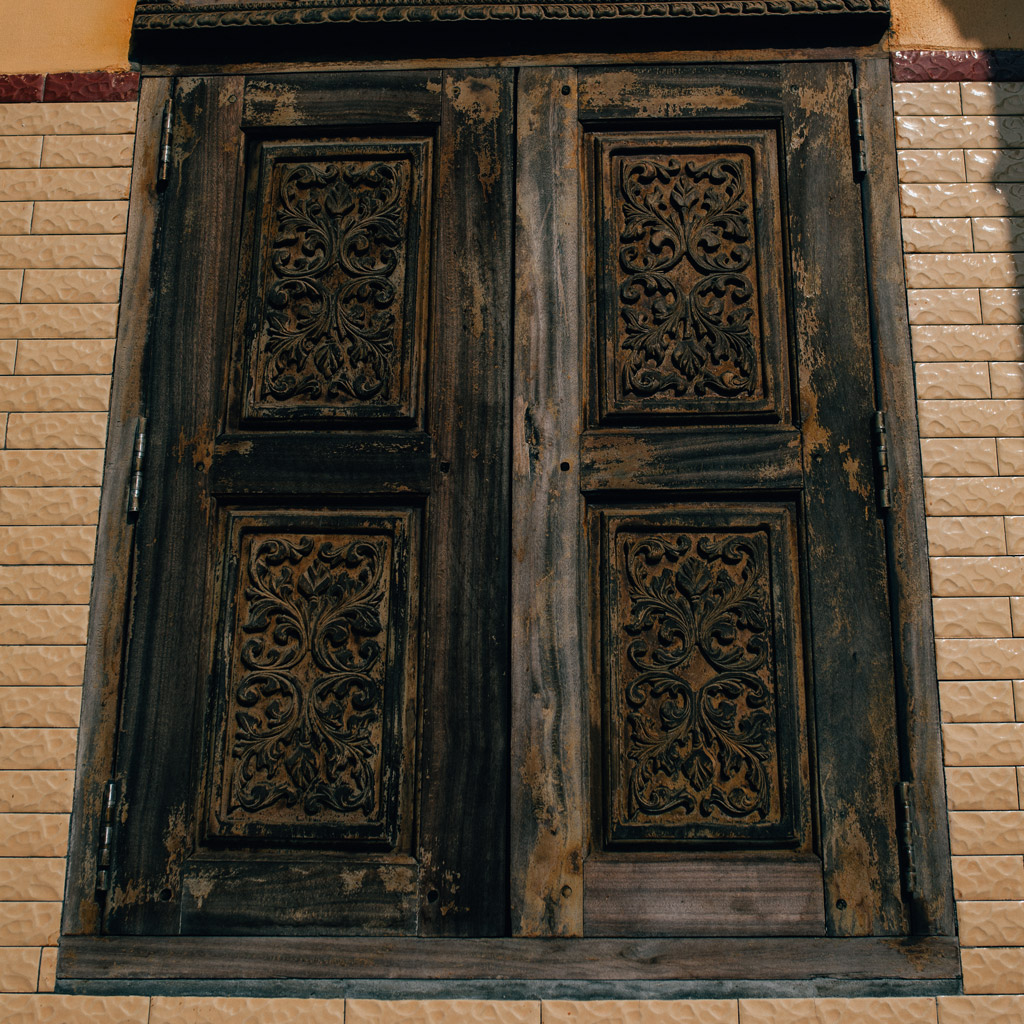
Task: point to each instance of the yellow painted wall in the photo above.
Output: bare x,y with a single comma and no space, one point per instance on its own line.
38,36
957,24
90,35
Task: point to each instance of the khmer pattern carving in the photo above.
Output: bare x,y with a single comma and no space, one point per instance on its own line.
688,311
333,288
174,14
696,701
306,705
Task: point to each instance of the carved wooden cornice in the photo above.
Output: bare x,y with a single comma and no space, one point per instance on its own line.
201,14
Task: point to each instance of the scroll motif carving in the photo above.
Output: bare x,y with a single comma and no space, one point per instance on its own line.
306,705
188,14
697,692
687,295
333,290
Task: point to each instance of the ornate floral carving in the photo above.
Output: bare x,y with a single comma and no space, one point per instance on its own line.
181,14
697,693
333,284
688,307
306,703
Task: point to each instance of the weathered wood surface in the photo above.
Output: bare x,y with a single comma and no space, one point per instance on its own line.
326,100
850,640
909,580
547,633
108,636
532,959
732,458
161,731
399,463
463,822
705,896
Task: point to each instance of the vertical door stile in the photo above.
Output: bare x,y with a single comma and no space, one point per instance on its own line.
463,831
548,802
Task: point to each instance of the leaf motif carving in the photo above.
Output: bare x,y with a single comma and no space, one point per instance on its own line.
698,686
333,283
309,700
687,303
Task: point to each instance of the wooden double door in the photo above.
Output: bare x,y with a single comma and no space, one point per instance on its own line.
509,562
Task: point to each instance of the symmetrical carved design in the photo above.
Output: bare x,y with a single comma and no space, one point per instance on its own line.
305,717
695,704
688,309
189,14
332,314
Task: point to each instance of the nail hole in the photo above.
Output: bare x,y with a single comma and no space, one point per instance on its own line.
566,90
565,467
433,896
840,904
566,891
445,465
165,895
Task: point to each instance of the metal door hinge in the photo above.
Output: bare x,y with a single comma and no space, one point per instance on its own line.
858,139
106,837
882,461
138,461
166,138
908,829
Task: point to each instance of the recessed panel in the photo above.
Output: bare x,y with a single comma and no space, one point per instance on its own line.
337,306
316,688
689,284
704,736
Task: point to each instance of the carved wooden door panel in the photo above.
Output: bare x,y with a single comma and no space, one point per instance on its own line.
327,489
708,721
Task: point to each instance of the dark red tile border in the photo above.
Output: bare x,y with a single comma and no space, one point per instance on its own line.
958,66
70,87
21,88
90,86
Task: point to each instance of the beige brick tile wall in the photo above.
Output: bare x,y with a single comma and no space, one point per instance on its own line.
64,177
63,187
961,171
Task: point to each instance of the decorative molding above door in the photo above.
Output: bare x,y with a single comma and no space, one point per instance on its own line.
201,14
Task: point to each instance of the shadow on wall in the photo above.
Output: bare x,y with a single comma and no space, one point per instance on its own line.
994,153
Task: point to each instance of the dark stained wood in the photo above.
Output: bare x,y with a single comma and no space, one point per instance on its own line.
909,580
733,458
293,725
709,896
850,643
547,685
354,897
159,726
463,824
115,535
332,100
709,461
344,464
721,959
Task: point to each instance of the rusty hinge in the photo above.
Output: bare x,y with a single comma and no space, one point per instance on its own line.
166,137
908,829
138,461
882,461
106,837
858,139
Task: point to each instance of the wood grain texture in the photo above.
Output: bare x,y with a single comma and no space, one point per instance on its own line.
720,959
709,896
463,830
547,686
733,458
909,577
105,651
850,644
331,100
